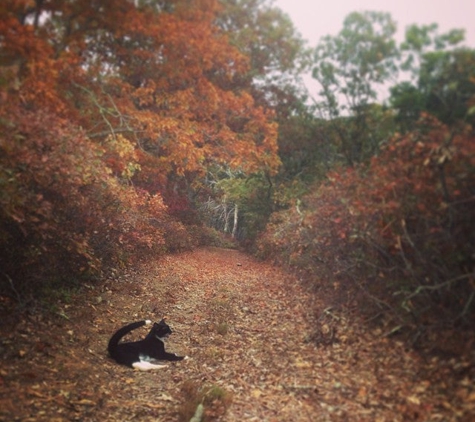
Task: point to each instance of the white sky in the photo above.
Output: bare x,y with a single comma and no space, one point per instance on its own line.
314,18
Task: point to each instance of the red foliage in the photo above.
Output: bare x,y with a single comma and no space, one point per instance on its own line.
405,223
62,210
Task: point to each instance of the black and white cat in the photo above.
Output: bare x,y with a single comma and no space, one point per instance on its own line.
142,354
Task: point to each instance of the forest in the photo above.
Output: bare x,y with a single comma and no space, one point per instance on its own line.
133,129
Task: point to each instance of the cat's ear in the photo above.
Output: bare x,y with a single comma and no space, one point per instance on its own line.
163,321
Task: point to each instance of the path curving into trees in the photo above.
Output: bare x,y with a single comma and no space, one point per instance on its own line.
261,348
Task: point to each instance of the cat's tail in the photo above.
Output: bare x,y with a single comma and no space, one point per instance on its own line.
114,341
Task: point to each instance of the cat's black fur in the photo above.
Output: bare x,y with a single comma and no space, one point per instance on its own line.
142,354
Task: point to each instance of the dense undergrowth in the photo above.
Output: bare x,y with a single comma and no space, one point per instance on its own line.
66,218
396,236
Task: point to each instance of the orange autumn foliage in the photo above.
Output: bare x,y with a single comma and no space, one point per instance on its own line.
102,103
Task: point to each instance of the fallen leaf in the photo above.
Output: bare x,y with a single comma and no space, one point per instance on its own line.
84,402
165,397
413,400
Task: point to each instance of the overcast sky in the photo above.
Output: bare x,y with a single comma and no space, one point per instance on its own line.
316,18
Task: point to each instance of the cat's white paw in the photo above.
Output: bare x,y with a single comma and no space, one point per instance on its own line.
147,366
186,358
148,322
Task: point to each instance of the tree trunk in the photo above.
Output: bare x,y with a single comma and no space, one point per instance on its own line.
226,217
236,215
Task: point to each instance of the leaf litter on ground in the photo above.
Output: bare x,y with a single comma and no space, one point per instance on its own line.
261,347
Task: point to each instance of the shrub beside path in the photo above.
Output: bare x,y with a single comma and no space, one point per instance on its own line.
261,348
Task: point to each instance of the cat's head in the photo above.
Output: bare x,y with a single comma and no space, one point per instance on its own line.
160,330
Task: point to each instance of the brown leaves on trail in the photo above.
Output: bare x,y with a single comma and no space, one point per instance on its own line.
260,347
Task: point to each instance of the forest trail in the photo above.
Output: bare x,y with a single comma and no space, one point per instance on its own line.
261,348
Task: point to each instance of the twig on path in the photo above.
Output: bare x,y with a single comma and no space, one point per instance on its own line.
327,312
12,286
301,387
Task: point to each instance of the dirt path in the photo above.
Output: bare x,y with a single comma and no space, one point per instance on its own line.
256,354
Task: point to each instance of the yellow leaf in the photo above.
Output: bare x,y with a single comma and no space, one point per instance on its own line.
414,400
256,393
85,402
302,364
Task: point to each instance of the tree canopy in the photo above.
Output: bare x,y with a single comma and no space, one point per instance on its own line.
105,105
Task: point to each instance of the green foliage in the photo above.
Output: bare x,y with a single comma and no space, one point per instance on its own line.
255,205
446,79
306,148
230,195
409,102
423,39
441,77
349,64
267,36
348,67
